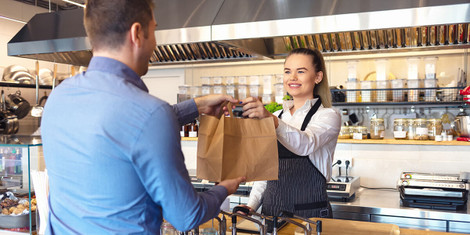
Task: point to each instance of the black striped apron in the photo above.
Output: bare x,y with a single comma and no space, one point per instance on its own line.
301,188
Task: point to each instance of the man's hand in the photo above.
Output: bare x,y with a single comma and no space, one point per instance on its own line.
212,104
232,184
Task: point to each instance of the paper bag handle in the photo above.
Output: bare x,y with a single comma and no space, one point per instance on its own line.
229,108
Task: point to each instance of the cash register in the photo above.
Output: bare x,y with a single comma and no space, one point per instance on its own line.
434,191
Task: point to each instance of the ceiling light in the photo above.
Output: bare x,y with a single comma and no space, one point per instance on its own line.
11,19
74,3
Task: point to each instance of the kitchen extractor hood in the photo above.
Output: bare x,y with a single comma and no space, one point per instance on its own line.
191,31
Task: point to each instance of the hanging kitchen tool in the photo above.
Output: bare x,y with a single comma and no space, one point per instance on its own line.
42,101
8,121
54,76
18,105
36,111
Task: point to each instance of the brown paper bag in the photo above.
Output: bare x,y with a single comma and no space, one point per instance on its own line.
230,147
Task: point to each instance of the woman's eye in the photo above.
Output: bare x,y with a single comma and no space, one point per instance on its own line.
287,72
301,71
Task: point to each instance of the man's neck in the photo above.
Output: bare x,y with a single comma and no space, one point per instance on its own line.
118,55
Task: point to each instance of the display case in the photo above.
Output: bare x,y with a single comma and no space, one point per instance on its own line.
19,156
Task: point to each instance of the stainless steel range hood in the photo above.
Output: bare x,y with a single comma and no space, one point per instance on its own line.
192,31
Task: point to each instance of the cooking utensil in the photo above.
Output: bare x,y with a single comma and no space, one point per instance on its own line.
43,99
37,110
8,121
462,126
18,105
54,77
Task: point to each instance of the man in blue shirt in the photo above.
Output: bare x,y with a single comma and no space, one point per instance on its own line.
113,151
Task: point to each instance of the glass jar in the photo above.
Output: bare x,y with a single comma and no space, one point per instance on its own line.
377,128
359,132
400,129
411,128
434,128
344,133
421,129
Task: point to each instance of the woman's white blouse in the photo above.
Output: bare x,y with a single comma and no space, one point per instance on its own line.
318,141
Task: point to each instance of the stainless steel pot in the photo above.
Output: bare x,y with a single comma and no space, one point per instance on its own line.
462,126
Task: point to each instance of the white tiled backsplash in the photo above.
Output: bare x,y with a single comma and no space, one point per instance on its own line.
380,165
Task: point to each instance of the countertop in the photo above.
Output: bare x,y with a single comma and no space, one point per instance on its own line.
387,202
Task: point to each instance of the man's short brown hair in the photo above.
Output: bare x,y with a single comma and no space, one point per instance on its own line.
107,21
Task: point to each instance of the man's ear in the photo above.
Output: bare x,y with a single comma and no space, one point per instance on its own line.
136,34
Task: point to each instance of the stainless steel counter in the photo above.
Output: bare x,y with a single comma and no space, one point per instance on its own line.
384,206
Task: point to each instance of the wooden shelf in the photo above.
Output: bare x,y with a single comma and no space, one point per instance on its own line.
403,142
384,141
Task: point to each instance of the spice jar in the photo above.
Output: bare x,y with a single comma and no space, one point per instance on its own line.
377,128
400,129
344,133
421,129
359,132
434,128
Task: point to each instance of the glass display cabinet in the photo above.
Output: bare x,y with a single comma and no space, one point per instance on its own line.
19,156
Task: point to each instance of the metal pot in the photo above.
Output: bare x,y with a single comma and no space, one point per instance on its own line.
462,126
18,105
8,121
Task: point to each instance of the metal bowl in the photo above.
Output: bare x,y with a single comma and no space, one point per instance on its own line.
22,77
11,70
17,221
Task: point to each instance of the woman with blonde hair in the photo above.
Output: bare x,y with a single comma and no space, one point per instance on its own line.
307,129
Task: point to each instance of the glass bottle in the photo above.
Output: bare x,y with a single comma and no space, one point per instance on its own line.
192,129
400,129
377,128
434,128
421,128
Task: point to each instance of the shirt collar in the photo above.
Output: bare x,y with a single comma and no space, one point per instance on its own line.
108,65
288,104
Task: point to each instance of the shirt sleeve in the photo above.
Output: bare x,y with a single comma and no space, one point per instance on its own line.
323,128
159,161
256,194
186,111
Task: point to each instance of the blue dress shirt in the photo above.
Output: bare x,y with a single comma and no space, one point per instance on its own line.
114,159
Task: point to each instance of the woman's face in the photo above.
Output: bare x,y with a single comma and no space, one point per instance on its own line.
300,76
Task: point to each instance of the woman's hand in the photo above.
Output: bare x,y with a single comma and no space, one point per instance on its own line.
254,108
